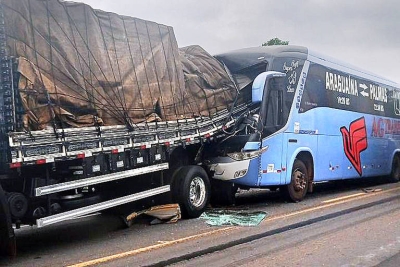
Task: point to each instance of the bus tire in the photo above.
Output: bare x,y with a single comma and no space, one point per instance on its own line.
297,189
395,173
8,245
223,193
191,190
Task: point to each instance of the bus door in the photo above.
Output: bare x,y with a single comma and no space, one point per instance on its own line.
272,139
329,158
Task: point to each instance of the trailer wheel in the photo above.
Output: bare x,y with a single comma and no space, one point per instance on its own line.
395,174
191,189
8,245
297,189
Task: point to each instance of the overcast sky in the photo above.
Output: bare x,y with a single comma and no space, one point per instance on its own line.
365,33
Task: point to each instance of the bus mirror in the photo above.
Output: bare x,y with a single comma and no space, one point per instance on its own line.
260,82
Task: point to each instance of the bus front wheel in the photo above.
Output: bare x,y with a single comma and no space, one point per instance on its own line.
223,193
297,189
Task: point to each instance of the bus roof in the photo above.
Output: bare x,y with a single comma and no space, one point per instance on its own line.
346,67
242,59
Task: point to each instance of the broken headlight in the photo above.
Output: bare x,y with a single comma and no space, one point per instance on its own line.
247,154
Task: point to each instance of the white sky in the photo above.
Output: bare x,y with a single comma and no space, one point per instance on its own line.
364,33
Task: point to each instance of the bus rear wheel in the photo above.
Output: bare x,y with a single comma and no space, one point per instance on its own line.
395,174
297,189
192,190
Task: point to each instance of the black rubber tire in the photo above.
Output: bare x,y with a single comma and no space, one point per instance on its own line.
395,174
223,193
185,179
297,190
8,245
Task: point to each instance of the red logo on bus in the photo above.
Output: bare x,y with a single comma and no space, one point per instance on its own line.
355,142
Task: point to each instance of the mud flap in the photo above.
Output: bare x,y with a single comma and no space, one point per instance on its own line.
8,245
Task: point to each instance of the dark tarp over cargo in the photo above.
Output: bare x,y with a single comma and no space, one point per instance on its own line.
84,67
207,81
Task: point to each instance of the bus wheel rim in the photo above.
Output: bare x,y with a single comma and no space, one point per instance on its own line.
300,180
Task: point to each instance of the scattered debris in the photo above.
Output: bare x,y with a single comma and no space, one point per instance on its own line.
233,217
371,190
169,213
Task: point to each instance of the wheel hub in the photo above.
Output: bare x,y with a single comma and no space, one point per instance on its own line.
197,192
300,180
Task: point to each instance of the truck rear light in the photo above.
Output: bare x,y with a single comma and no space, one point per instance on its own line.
80,156
15,165
114,151
41,161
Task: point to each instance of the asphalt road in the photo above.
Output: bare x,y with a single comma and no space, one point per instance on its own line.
342,224
363,237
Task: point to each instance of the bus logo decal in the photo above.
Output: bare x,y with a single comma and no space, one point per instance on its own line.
354,142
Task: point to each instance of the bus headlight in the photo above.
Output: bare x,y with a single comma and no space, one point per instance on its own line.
247,154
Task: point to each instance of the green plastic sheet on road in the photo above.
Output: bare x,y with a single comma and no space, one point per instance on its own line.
233,217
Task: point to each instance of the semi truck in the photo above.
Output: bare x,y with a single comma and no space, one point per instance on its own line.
103,113
98,111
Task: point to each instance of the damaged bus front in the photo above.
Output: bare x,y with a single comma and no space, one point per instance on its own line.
254,147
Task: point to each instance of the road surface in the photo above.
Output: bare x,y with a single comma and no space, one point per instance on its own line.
354,223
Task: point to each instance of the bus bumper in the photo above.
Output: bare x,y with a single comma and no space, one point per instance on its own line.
227,169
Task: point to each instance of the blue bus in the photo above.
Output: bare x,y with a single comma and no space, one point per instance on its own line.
312,119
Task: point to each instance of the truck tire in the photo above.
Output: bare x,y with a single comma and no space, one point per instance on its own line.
395,173
297,189
8,245
191,190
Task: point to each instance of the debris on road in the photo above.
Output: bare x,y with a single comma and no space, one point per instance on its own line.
169,213
371,190
233,217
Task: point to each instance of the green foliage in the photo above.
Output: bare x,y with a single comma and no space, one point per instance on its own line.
275,41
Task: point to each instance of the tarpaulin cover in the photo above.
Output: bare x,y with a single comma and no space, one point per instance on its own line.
206,80
81,67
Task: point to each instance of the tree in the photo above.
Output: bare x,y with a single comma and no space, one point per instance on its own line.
275,41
